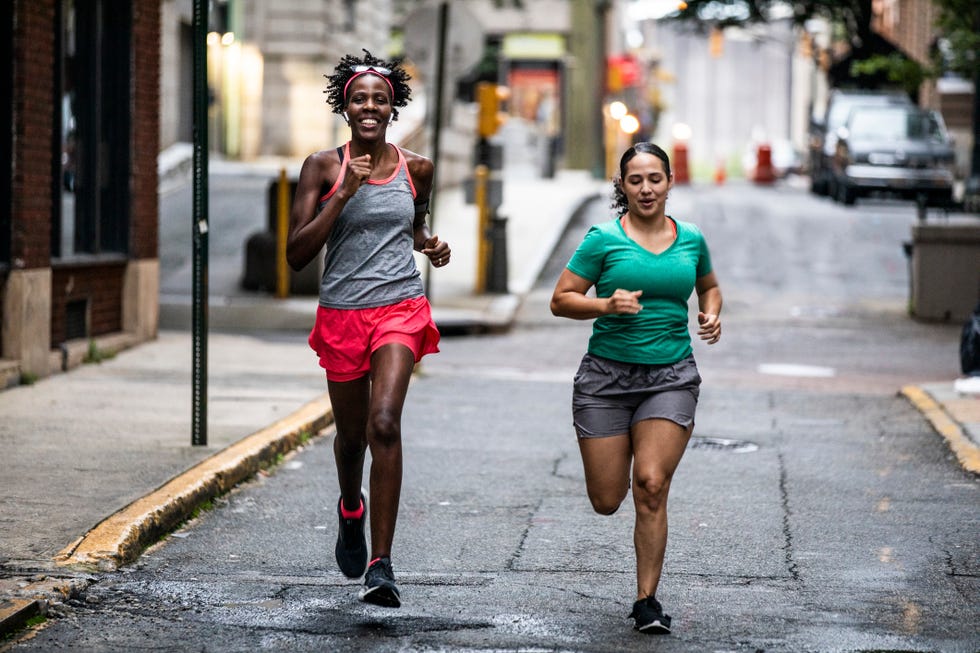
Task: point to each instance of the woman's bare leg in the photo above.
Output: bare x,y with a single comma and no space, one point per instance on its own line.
349,400
607,470
391,371
658,446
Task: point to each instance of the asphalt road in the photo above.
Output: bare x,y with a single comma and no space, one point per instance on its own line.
816,510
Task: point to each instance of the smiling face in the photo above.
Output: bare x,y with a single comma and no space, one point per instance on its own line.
369,106
646,183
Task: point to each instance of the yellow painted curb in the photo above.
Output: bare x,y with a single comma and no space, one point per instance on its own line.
121,537
15,613
966,451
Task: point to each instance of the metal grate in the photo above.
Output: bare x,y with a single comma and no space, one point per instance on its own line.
76,319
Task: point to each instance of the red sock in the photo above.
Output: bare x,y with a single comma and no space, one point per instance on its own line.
351,514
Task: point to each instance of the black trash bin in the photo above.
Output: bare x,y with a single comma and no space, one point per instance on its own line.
260,254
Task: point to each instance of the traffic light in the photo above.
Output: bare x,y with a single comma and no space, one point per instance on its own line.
716,39
489,119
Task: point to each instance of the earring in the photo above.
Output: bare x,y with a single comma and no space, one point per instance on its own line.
346,119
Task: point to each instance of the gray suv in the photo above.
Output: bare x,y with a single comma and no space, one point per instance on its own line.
823,131
898,150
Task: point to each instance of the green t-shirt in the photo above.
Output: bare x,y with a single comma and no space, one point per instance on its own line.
658,334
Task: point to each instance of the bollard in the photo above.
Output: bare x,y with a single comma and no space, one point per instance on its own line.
481,175
681,174
496,275
764,172
282,232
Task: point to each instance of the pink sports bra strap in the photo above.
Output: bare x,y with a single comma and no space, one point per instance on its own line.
340,175
343,169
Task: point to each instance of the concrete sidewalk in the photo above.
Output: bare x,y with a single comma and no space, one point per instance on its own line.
99,462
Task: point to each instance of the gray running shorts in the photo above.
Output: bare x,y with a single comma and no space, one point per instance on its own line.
609,397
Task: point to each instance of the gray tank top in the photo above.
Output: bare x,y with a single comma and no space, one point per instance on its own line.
369,260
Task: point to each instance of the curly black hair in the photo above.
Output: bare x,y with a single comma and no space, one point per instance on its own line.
619,202
345,70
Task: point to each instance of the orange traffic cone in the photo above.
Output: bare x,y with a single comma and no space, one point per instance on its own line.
681,174
764,172
720,172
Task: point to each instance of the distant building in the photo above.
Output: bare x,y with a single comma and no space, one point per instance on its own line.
79,269
266,62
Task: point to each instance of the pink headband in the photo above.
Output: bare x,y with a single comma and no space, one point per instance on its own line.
369,72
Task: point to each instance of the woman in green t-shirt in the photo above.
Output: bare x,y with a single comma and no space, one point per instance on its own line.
636,389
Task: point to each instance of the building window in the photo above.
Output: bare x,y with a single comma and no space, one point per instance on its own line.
92,141
6,118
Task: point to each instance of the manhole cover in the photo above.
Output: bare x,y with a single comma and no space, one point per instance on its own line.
722,444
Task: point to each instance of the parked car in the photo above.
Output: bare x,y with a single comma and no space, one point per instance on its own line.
823,130
899,150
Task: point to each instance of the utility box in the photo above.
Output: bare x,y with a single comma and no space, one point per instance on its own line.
945,271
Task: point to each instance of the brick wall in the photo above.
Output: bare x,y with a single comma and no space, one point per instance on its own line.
146,129
31,208
100,285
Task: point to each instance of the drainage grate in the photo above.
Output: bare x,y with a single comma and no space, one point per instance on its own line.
723,444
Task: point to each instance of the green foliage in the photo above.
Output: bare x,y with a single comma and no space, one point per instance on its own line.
95,354
898,68
205,506
28,378
853,15
30,624
959,28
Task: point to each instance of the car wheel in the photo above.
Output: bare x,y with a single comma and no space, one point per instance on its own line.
832,189
818,184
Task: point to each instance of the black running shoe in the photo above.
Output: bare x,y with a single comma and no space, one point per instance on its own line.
351,551
650,617
379,585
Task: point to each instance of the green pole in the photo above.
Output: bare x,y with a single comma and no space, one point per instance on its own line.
199,280
440,82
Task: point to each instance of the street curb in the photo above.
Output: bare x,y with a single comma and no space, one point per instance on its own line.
966,451
123,536
15,613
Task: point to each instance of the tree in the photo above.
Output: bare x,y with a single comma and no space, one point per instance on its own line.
959,43
851,21
854,16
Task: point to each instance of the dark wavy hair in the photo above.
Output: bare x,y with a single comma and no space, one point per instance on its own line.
620,203
345,70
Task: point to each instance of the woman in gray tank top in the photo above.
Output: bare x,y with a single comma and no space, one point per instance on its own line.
367,201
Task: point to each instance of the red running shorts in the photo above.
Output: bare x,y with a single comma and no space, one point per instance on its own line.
344,339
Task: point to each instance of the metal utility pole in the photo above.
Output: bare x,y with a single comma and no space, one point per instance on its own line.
587,84
440,82
199,216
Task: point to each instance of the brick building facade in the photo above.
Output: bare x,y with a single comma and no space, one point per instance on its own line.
78,181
